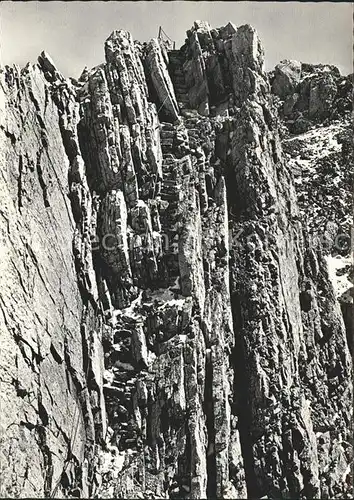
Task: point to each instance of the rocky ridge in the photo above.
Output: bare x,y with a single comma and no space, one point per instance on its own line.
311,94
169,326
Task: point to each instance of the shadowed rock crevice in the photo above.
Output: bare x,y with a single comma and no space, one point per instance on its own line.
241,405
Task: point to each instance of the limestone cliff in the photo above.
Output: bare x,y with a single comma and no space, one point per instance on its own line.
168,325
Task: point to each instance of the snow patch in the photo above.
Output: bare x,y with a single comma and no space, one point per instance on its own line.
129,311
174,302
108,376
163,294
341,282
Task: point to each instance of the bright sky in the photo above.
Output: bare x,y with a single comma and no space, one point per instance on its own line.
73,33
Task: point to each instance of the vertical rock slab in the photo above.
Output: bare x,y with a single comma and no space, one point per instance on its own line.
103,132
269,332
161,81
113,231
195,69
190,251
42,411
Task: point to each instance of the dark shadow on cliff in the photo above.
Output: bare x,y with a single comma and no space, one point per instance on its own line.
241,406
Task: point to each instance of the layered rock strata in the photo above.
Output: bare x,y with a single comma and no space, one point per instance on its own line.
169,328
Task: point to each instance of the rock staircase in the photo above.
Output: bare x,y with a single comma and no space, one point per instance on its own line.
175,69
170,213
174,140
170,191
167,136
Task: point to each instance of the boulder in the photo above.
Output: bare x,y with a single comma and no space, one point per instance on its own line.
287,76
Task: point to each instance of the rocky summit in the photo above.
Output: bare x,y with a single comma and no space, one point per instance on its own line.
176,297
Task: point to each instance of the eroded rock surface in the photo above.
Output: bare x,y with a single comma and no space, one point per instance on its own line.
168,325
311,94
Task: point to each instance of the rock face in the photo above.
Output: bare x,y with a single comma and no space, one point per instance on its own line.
168,325
311,94
286,78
